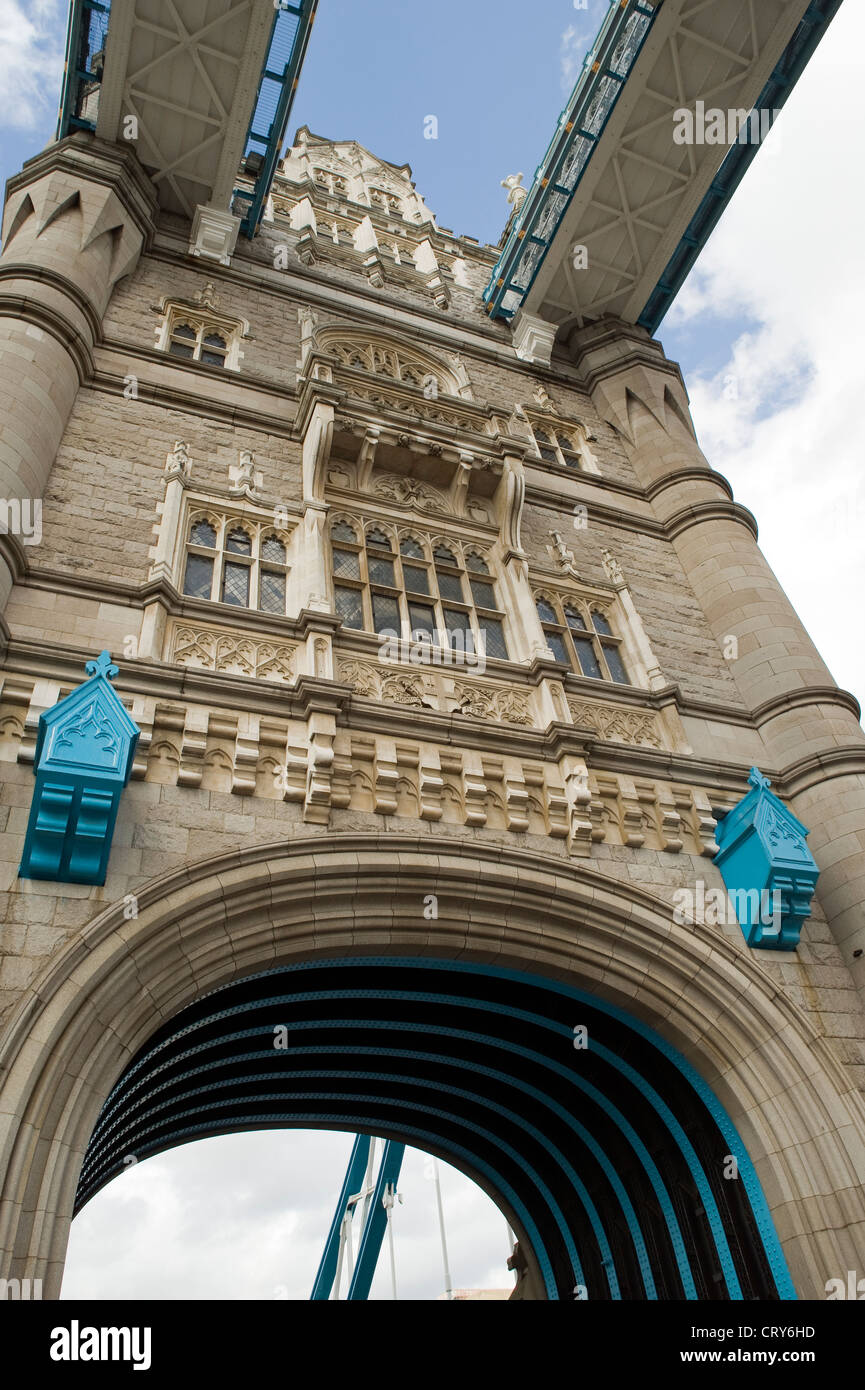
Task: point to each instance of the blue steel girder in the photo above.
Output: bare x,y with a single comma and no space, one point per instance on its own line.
786,74
354,1176
581,126
568,163
292,27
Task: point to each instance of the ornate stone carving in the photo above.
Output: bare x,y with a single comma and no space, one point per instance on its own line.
516,193
616,723
486,702
612,568
211,649
392,687
408,493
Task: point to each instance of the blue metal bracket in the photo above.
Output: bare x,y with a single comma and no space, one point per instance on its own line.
767,868
84,752
375,1222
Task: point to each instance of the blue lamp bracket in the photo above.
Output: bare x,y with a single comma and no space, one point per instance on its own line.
767,868
84,752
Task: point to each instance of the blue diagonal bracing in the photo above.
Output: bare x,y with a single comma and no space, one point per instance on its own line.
289,38
580,128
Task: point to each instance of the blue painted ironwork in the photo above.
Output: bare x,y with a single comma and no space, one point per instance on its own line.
785,75
581,125
376,1222
82,73
321,1289
767,867
84,752
137,1119
292,27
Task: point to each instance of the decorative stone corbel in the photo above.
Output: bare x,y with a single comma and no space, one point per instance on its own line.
319,775
533,339
366,457
214,234
244,478
317,444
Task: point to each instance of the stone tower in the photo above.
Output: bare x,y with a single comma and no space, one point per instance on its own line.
445,666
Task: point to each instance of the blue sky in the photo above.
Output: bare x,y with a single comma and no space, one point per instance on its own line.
766,331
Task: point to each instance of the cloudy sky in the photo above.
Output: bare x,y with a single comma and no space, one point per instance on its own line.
768,334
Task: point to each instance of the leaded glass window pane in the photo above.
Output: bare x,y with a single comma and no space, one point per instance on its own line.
495,637
203,534
575,620
381,572
346,564
556,644
273,549
457,626
411,549
183,330
484,595
546,612
378,540
443,556
416,580
422,621
235,584
343,532
199,576
272,598
349,606
614,661
385,613
451,587
239,542
601,624
475,564
588,660
180,349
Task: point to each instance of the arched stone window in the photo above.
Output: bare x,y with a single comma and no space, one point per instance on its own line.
242,563
559,445
415,590
581,637
196,334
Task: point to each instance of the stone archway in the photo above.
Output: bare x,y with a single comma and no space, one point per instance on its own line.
222,920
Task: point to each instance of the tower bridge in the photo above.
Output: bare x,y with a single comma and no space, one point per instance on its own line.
271,413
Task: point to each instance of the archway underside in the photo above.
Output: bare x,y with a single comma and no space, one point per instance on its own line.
612,1160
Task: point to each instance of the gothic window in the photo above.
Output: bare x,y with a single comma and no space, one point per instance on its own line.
415,591
581,637
242,564
198,336
558,445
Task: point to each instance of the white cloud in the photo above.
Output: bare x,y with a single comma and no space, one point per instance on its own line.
245,1216
787,256
32,36
578,39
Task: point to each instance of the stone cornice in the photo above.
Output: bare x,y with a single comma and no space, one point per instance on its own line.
806,695
27,310
698,513
27,270
230,693
687,475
